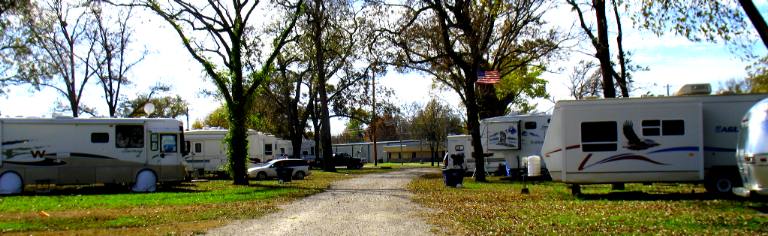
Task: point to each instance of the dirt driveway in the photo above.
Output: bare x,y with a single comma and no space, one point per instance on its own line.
374,204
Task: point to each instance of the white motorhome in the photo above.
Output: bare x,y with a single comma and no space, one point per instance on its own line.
208,150
752,151
513,138
63,151
661,139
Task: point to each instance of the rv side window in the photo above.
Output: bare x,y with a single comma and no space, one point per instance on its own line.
459,148
530,125
99,137
663,127
598,136
198,147
651,127
672,127
154,143
129,136
168,142
267,149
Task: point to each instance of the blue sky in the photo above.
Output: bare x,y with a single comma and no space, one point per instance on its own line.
672,60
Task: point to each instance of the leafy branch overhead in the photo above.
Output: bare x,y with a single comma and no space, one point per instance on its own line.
224,38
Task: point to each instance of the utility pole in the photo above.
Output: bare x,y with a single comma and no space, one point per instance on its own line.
373,120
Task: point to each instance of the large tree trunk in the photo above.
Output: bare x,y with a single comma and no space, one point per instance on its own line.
473,124
238,143
296,130
488,104
756,19
603,53
325,121
621,78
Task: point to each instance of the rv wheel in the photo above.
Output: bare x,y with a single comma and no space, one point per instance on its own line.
146,181
720,185
10,183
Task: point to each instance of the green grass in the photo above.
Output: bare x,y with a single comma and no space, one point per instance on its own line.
499,208
189,208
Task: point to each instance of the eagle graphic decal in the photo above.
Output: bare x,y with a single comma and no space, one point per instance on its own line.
633,141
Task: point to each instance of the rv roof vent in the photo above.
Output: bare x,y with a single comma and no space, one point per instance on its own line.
694,89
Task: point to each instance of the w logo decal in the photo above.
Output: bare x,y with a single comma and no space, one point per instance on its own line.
36,153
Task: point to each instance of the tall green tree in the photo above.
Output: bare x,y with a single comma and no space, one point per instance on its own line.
455,40
16,63
59,31
598,37
755,82
112,58
513,92
223,37
433,123
334,29
705,20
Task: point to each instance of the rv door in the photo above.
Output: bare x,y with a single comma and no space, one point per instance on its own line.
165,155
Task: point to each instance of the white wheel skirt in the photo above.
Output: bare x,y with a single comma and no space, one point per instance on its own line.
145,182
10,183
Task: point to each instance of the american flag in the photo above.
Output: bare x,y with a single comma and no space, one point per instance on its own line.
488,77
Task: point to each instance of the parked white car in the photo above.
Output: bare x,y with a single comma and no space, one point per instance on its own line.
269,170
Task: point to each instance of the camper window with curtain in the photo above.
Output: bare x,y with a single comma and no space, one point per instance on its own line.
599,136
129,136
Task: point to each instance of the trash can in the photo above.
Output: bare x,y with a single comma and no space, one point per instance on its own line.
453,177
284,174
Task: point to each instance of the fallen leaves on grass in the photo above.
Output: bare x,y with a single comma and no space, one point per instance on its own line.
498,208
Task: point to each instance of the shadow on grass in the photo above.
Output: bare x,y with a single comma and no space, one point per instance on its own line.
269,184
69,190
645,196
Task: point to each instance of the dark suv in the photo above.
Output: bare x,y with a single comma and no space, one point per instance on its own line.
340,159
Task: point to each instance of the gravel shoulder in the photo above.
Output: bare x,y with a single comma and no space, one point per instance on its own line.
373,204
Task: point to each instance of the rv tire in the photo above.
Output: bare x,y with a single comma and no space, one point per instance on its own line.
11,183
720,184
146,181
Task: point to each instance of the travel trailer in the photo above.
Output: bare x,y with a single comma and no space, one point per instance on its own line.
462,144
208,150
76,151
752,151
513,138
655,139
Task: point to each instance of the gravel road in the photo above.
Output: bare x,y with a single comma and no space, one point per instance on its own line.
373,204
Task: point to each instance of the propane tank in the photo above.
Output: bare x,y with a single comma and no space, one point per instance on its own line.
534,165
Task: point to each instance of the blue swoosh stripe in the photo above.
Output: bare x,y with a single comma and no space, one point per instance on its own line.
678,149
719,149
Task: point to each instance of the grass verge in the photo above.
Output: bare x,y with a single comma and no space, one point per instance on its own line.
499,208
190,208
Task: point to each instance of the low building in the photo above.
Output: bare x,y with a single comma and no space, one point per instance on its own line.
390,151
